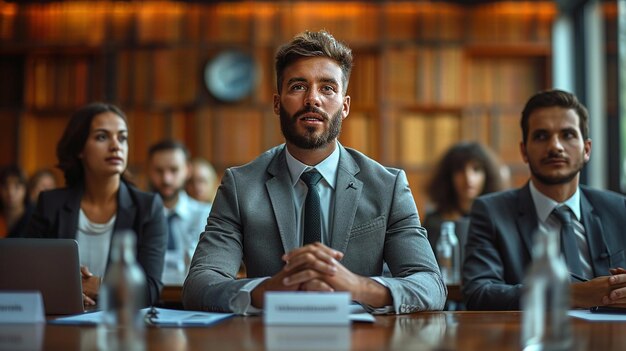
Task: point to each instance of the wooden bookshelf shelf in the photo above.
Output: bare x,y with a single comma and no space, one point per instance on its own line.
426,74
523,49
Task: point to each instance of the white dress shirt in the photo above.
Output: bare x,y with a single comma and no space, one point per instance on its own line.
550,225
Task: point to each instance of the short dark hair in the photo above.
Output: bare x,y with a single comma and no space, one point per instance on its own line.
13,171
168,144
314,44
551,98
75,136
441,187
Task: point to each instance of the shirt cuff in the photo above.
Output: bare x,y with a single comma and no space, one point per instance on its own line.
241,303
380,310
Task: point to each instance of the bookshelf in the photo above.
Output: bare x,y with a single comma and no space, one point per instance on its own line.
426,75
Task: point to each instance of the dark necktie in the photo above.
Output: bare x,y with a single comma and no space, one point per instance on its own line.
568,239
171,241
312,225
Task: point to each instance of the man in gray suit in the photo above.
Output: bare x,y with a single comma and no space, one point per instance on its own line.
555,146
366,214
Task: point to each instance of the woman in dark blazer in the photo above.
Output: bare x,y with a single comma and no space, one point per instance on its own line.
98,201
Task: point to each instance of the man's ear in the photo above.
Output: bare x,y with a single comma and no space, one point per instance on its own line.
522,149
346,107
277,104
587,150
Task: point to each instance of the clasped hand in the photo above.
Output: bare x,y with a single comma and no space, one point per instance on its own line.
604,290
316,267
91,285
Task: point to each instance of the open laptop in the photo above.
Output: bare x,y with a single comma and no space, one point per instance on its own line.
51,266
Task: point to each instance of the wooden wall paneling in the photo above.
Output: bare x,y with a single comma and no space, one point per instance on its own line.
509,137
9,141
414,140
265,23
476,125
363,79
8,21
145,127
39,136
201,133
122,22
350,22
444,130
401,76
265,77
12,87
448,81
157,23
271,132
142,77
418,179
426,76
357,132
238,140
175,76
401,21
228,23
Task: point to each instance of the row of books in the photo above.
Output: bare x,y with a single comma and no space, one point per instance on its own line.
265,23
61,82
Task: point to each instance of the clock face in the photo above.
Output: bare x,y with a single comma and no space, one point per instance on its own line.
230,76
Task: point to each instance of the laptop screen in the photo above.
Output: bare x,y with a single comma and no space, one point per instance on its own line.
51,266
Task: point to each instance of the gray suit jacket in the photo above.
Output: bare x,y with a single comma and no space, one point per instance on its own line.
499,243
375,220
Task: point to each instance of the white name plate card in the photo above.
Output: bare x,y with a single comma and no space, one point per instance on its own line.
307,308
307,338
21,307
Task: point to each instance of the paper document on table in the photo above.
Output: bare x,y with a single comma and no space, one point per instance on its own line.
160,317
359,314
597,317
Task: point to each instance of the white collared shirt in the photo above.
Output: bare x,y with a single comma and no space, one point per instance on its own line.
190,218
550,225
326,189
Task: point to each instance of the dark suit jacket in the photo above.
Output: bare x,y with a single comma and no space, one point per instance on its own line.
375,220
57,217
499,243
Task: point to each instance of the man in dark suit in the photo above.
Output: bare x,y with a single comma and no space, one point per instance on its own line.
366,214
555,146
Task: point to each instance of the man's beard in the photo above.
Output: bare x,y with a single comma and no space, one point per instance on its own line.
309,140
555,180
164,197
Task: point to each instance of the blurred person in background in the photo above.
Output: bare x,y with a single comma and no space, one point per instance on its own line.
40,181
168,171
466,171
15,208
202,183
98,201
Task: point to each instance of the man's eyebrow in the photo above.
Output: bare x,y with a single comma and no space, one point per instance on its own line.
295,79
330,80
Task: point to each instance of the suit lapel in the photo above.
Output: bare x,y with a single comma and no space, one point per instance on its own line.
347,192
280,191
527,218
68,220
126,209
595,237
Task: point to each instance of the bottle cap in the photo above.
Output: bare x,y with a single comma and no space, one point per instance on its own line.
447,225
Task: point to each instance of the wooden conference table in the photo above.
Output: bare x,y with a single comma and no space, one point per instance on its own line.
419,331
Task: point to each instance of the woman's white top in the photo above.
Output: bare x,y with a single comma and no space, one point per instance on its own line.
94,242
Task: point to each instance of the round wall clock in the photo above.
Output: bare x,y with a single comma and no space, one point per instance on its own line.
230,76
